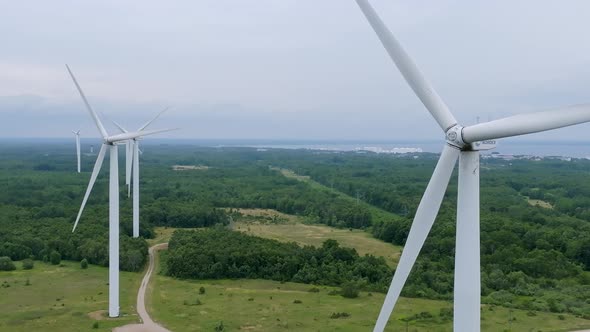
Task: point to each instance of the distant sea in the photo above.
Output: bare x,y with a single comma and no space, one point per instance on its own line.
575,149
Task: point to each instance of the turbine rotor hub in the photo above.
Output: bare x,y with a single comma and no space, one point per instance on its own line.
454,137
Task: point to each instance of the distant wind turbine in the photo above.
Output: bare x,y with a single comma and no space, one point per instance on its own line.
109,142
132,167
77,134
462,143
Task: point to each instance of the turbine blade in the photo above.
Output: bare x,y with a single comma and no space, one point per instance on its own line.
95,171
123,130
527,123
409,70
423,221
152,120
99,125
136,134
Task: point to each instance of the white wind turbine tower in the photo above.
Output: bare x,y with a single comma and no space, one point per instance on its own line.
462,143
77,134
109,142
132,167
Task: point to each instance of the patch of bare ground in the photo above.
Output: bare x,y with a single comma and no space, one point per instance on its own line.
540,203
98,315
189,167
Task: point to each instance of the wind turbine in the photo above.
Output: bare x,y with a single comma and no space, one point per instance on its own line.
463,143
111,143
77,134
132,165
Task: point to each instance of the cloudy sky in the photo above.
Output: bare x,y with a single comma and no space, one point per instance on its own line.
286,69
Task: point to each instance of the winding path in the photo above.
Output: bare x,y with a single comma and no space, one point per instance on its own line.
148,324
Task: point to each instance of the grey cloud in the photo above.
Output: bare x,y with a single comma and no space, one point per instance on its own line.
289,68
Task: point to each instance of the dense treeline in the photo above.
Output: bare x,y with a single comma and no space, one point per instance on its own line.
38,206
42,195
25,236
532,256
247,186
219,253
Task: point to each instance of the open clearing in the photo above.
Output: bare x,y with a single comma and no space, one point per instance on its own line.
256,305
288,229
63,298
262,305
538,202
189,167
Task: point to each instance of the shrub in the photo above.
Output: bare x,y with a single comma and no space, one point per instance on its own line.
314,290
424,315
336,315
6,264
55,258
297,301
95,325
196,302
349,290
202,290
84,264
219,327
446,313
28,264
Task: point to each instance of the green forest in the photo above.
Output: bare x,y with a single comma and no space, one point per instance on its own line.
535,231
218,253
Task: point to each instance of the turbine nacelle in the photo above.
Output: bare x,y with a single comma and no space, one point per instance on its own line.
454,138
133,135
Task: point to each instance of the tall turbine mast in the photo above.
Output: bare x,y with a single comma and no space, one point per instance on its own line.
132,169
109,143
463,143
77,135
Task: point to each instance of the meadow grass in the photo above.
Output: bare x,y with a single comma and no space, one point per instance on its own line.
294,230
62,298
263,305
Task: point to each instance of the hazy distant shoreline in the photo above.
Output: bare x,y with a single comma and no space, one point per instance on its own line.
575,149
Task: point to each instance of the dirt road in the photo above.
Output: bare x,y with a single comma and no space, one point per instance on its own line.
148,324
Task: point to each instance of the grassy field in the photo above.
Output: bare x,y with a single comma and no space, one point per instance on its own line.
60,298
261,305
289,228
